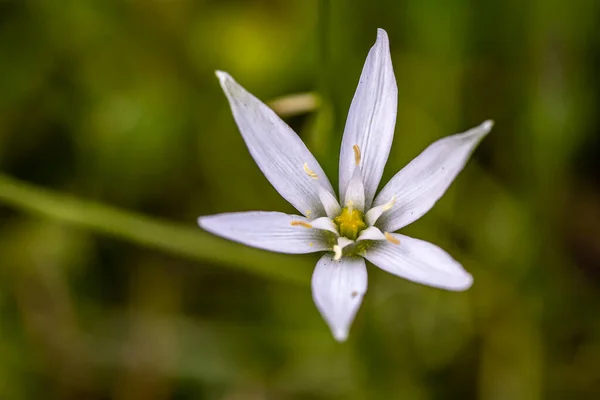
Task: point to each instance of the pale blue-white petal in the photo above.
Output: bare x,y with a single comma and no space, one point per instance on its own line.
371,119
419,261
325,224
343,243
419,185
371,233
272,231
338,288
374,213
330,203
355,193
278,151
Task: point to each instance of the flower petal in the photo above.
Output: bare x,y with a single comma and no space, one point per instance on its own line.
419,185
341,246
355,194
272,231
371,119
278,151
374,213
371,233
419,261
330,203
338,288
325,224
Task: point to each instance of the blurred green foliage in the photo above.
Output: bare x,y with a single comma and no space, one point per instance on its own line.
115,136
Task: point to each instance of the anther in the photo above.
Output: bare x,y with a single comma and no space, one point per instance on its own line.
356,154
309,172
391,239
337,250
301,223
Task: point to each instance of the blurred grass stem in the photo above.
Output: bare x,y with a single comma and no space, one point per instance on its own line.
186,241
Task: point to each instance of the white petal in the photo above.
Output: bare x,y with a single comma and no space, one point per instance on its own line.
374,213
424,180
266,230
371,119
355,194
419,261
344,242
325,224
330,203
278,151
371,233
338,288
338,249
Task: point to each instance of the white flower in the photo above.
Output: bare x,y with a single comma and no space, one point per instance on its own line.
360,225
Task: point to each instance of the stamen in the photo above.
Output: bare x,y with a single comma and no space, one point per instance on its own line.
337,252
391,239
308,213
301,223
388,206
356,154
350,206
374,213
309,172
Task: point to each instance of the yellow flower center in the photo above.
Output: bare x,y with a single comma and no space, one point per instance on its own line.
350,222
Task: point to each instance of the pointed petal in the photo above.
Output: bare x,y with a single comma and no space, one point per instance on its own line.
338,288
344,242
371,119
420,184
271,231
338,249
374,213
419,261
278,151
355,194
371,233
325,224
330,203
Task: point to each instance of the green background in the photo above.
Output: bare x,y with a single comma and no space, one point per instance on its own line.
115,136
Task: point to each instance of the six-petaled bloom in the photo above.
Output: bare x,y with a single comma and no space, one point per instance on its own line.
362,224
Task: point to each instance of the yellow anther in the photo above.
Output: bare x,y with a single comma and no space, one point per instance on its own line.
356,154
310,172
301,223
311,244
350,223
308,213
337,250
391,238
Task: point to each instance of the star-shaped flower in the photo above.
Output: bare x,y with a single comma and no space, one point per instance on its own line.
361,225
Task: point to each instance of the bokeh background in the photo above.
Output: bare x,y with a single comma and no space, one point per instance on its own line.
115,136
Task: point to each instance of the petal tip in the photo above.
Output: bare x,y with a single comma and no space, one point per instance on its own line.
340,335
222,75
381,32
382,36
465,283
480,131
487,125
